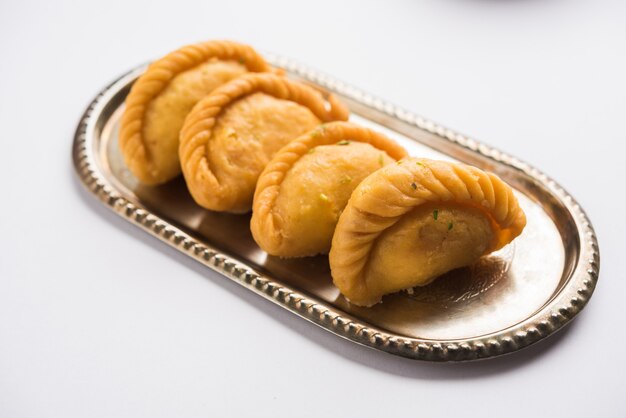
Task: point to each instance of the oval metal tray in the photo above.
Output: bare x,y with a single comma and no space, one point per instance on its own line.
507,301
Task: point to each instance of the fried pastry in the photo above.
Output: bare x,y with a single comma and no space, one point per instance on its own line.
232,134
410,222
304,188
162,97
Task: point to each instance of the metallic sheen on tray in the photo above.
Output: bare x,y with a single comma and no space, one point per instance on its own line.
509,300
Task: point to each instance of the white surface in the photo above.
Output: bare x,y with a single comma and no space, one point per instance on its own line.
146,335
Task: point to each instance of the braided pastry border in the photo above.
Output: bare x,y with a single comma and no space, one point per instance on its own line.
156,78
262,224
407,185
571,299
202,182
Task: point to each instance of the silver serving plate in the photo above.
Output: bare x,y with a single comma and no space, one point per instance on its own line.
507,301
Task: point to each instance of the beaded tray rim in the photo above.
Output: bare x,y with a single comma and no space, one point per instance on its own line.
568,302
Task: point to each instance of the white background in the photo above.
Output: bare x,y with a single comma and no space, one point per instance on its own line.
98,319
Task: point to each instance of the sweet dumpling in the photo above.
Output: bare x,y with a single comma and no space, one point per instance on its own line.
162,97
231,135
408,223
304,188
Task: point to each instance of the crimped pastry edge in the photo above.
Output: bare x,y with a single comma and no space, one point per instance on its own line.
202,182
156,78
388,194
264,229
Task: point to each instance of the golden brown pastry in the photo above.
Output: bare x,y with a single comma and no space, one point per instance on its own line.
162,97
410,222
304,188
231,135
